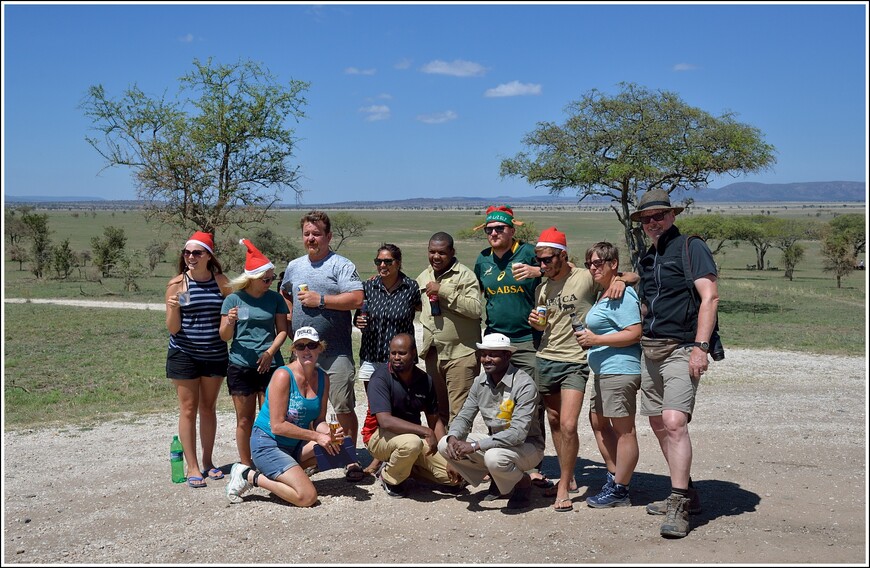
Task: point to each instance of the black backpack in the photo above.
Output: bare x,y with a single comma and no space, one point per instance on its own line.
717,351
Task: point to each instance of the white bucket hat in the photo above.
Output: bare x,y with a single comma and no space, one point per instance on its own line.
496,342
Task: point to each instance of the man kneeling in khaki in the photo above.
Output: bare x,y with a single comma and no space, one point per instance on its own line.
508,401
393,432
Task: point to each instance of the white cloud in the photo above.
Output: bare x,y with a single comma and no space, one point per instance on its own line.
376,112
684,67
403,64
514,89
456,68
355,71
438,117
187,38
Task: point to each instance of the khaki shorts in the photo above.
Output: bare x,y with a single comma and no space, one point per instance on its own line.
341,371
666,385
615,396
556,376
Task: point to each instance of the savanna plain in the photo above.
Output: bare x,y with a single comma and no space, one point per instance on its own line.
779,431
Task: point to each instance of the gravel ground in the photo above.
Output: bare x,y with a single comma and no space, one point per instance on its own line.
780,460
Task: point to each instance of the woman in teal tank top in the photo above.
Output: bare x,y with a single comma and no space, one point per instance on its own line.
291,422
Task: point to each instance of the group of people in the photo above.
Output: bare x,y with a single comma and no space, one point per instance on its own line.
548,325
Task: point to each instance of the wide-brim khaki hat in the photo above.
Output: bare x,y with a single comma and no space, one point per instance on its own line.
652,200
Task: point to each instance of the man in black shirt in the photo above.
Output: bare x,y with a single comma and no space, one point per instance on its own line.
393,432
678,320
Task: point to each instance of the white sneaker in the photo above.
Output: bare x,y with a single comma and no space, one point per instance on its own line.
237,485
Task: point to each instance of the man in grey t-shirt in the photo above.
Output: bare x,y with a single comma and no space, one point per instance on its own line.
331,289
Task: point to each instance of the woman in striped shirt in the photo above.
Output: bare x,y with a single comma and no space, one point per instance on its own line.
197,357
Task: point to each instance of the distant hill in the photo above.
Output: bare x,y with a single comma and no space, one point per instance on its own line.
741,192
813,191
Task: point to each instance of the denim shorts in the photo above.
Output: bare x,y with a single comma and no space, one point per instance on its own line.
269,458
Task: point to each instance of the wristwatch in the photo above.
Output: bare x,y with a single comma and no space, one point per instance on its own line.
704,345
322,301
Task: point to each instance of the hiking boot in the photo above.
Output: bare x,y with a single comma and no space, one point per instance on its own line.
238,484
614,496
677,518
661,507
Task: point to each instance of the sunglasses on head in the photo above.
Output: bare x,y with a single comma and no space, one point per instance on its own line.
193,253
657,217
387,261
498,229
311,346
545,259
597,263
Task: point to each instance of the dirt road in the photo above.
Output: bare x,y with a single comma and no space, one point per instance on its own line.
780,456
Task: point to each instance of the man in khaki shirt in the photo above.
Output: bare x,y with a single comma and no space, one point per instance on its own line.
562,368
449,339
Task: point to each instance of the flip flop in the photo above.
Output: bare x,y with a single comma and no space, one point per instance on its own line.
542,482
551,491
213,473
195,482
560,508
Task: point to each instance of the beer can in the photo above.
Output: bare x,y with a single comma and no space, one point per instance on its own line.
542,314
303,287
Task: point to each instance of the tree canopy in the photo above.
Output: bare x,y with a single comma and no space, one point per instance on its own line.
217,155
619,146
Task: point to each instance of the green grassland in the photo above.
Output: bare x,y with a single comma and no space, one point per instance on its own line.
75,364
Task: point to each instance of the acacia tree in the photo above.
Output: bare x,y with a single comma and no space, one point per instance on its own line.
346,226
852,228
616,147
223,162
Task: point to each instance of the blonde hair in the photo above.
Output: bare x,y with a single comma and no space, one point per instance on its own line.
243,280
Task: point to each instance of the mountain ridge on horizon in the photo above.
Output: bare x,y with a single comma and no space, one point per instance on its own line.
738,192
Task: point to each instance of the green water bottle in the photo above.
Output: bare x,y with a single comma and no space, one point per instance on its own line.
176,460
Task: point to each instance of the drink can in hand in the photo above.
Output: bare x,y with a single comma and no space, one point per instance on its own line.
303,287
542,315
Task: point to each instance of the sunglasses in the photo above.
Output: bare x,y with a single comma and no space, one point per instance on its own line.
268,279
193,253
546,259
597,263
498,229
387,261
311,346
657,217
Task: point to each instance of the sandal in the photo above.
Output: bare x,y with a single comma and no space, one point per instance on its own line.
213,473
560,508
354,473
196,482
552,490
542,482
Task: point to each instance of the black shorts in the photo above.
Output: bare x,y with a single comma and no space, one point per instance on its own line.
246,381
180,365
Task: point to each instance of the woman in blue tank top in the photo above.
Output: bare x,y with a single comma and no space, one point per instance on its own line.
197,357
291,422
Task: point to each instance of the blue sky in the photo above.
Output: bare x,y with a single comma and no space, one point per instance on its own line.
427,99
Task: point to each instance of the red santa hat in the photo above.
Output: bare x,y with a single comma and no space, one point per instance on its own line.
202,239
553,238
256,262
